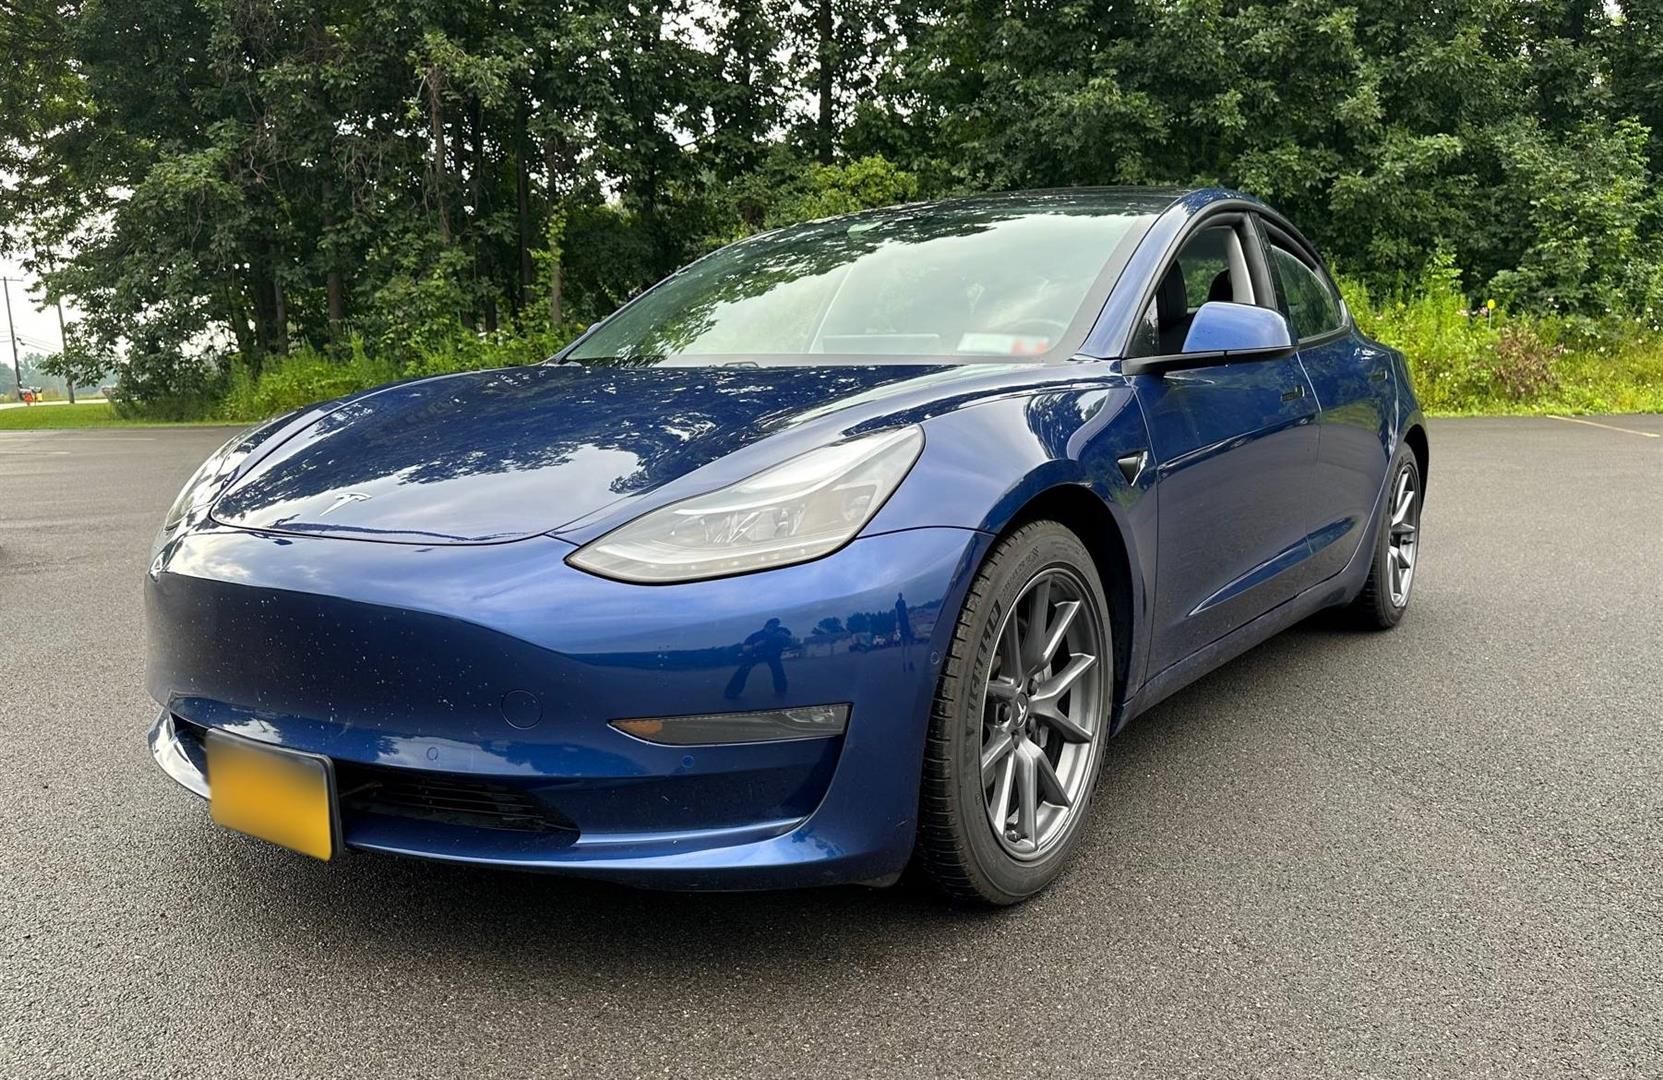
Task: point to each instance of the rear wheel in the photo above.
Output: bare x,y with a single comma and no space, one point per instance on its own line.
1385,596
1020,718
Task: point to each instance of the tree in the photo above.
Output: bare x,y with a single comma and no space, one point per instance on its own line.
220,183
78,365
839,50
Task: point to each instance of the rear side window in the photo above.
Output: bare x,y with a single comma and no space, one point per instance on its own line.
1309,300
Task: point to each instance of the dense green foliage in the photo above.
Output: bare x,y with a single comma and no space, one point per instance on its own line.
1485,360
257,202
1466,360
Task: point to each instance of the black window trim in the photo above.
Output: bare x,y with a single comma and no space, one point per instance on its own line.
1274,230
1241,215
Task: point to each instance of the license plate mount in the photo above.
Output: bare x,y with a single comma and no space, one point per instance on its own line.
283,796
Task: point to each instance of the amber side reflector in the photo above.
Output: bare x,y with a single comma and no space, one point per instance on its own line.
767,725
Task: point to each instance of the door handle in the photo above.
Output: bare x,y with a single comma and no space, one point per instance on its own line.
1379,374
1294,394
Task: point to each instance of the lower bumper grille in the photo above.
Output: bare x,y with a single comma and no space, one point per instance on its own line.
454,800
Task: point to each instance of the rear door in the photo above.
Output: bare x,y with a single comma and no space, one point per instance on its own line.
1353,381
1235,448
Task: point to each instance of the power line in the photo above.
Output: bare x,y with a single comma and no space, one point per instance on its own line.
33,343
17,339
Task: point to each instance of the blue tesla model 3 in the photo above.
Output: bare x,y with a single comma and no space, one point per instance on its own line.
845,548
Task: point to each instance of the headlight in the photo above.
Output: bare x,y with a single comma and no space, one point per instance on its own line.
197,494
201,483
208,481
798,510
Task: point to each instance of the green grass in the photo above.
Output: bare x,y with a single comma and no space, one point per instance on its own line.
92,414
1604,379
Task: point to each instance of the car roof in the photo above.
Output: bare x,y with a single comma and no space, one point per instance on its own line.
1135,199
1148,200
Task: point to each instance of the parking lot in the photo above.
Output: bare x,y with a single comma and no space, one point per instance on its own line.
1434,852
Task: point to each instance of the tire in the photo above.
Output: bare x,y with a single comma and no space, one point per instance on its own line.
1386,593
1001,689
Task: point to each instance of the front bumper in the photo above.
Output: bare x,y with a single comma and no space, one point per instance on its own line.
465,694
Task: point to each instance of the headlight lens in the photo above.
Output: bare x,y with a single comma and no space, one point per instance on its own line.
199,485
208,481
798,510
198,491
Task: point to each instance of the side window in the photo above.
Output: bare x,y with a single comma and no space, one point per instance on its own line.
1210,266
1306,296
1205,264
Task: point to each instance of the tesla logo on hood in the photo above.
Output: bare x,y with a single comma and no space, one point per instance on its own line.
343,498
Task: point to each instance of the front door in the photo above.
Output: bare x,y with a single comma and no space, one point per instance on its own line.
1235,451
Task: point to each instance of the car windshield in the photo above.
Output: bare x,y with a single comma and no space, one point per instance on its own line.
950,282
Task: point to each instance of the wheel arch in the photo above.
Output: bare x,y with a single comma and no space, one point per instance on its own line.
1415,437
1080,510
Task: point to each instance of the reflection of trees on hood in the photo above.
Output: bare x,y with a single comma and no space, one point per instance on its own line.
671,420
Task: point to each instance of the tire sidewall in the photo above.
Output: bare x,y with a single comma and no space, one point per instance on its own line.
1048,546
1390,613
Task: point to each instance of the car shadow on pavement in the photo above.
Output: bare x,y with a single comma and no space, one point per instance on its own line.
384,904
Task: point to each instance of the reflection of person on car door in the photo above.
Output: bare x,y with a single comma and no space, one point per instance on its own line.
763,647
903,631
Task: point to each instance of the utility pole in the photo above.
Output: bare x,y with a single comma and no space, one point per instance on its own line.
63,347
11,332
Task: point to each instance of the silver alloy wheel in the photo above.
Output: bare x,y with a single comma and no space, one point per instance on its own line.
1042,712
1404,536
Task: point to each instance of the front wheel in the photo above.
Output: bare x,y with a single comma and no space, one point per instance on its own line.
1385,595
1020,718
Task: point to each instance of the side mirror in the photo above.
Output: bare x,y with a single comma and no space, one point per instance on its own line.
1223,333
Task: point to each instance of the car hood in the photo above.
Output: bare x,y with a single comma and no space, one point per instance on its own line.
492,456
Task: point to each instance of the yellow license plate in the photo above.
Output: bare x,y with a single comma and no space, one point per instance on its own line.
279,795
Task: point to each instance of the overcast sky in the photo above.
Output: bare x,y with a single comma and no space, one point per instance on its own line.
38,330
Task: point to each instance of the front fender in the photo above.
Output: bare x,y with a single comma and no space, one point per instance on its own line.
981,465
989,466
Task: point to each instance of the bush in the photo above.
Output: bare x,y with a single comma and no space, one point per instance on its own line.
477,352
1450,348
827,190
309,375
159,383
1523,366
299,379
1482,359
1465,358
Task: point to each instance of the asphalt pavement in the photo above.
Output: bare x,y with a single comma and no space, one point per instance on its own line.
1432,852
